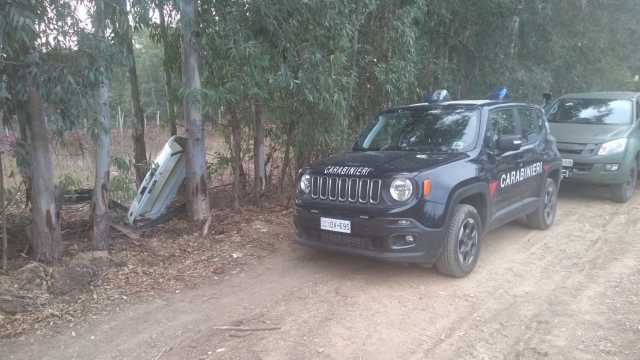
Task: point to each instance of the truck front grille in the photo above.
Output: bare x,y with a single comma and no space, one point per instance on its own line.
354,190
577,149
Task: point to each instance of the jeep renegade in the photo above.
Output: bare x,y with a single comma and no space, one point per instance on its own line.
424,182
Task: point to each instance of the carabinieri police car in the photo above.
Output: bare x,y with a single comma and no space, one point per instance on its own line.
423,183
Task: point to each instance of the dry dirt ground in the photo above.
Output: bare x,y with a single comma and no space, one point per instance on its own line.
572,292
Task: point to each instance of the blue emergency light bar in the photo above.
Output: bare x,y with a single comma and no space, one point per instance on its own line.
500,94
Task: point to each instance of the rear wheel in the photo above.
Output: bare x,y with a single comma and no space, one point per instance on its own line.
623,192
545,215
462,242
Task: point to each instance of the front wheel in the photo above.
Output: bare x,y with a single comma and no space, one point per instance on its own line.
623,192
545,215
462,242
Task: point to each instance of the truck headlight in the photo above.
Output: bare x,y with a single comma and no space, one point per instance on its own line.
305,183
401,189
613,147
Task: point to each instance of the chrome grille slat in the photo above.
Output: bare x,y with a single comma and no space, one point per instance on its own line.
324,184
346,189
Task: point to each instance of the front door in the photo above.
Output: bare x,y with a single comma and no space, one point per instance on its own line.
503,121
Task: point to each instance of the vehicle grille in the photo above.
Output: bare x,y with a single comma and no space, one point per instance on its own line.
354,190
577,149
343,240
583,167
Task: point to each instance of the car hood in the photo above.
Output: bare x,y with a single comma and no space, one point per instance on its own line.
382,163
587,134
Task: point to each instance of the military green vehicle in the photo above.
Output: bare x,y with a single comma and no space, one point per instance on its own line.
598,136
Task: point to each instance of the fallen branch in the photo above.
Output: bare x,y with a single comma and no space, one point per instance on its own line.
130,233
242,328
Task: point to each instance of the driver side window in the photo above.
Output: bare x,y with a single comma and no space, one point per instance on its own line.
501,122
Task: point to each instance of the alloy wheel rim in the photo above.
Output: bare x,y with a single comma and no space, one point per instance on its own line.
467,241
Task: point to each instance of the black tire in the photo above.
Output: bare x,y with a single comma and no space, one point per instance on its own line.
462,242
545,214
622,193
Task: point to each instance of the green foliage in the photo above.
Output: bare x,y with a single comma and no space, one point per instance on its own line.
122,188
68,183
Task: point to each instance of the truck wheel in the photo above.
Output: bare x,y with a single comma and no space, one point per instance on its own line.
462,242
623,192
545,215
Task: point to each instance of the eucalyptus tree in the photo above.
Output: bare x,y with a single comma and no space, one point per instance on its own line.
165,33
124,33
100,218
236,75
196,179
37,53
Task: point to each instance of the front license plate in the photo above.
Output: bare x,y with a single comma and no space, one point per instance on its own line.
567,162
343,226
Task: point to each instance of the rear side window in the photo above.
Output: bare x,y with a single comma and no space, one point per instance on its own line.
501,122
532,123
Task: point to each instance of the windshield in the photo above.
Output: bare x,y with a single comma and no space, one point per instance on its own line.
426,130
591,111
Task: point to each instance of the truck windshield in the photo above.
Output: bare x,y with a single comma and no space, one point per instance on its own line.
425,130
591,111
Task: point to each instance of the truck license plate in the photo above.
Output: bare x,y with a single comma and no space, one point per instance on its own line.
567,168
343,226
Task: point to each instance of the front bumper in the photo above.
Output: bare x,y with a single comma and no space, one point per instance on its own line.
377,238
592,170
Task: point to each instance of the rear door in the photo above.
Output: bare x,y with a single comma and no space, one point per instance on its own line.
532,153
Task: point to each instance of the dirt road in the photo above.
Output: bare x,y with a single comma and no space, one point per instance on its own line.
572,292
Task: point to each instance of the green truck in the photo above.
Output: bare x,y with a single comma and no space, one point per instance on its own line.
598,136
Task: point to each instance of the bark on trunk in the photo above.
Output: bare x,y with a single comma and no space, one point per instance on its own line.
4,218
196,180
25,157
139,146
45,228
287,156
236,156
168,77
260,175
100,220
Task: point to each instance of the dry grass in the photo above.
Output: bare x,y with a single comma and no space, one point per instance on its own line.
73,155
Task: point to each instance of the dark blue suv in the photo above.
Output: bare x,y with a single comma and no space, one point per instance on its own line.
424,182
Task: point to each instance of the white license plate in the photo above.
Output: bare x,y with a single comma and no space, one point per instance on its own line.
567,162
343,226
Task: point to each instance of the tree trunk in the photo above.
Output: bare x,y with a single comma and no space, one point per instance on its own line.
45,228
23,158
139,146
100,218
4,218
196,178
236,156
260,175
168,77
287,155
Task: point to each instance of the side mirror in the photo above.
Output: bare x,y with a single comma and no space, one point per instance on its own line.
510,143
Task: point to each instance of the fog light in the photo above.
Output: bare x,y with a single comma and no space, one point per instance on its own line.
611,167
403,241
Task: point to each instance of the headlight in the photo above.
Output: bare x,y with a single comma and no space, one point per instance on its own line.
305,183
612,147
401,189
